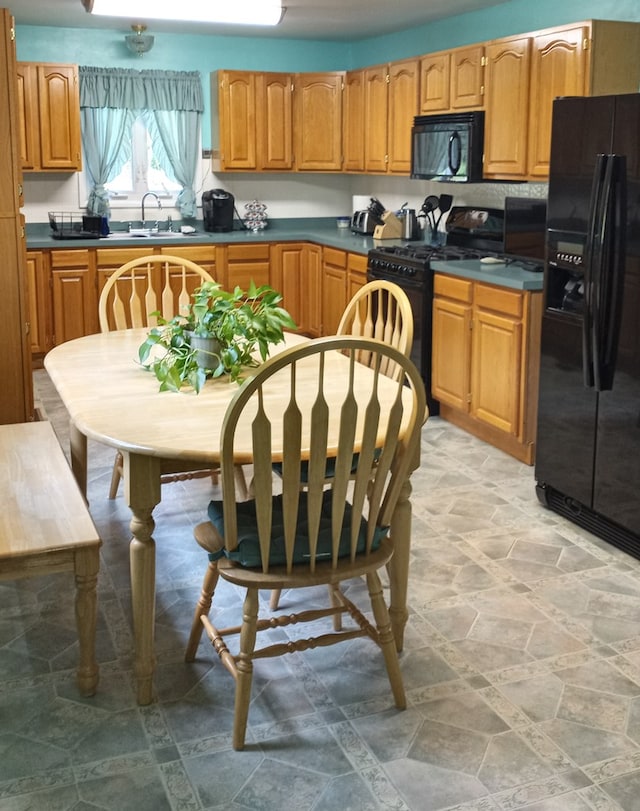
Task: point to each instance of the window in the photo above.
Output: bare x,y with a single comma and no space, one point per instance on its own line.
142,172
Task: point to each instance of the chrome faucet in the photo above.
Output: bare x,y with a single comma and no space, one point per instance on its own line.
144,197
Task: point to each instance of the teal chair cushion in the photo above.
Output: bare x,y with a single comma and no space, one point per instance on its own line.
330,469
248,550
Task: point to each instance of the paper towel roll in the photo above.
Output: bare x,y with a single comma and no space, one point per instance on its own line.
361,201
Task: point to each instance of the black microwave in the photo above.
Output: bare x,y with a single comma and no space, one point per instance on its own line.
448,147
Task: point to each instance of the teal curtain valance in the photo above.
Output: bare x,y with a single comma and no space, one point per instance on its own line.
126,89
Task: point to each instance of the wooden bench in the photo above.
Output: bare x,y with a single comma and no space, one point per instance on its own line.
45,527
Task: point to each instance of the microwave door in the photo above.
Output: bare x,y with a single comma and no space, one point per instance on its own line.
432,153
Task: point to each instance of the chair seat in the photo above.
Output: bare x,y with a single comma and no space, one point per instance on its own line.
247,553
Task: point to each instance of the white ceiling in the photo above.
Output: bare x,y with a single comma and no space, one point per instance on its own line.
305,19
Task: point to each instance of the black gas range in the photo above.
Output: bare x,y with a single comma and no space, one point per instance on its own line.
471,234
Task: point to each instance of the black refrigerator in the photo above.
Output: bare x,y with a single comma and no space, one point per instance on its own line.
588,442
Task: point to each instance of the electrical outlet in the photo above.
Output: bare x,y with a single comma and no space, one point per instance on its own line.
206,153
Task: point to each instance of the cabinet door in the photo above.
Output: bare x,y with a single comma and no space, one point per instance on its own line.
312,295
467,78
451,353
274,103
28,119
403,107
435,73
318,119
288,278
353,122
376,115
236,109
59,106
507,107
74,294
38,289
558,68
497,365
334,289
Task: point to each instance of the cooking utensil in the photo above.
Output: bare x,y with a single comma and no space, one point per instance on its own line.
444,204
428,207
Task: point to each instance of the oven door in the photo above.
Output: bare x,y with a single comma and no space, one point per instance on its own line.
420,294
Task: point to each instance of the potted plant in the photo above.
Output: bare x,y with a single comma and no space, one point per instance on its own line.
238,326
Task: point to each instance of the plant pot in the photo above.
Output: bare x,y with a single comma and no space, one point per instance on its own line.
207,351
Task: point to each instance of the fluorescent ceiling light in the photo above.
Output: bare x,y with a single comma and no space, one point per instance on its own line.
244,12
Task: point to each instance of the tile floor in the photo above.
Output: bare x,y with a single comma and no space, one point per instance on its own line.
521,662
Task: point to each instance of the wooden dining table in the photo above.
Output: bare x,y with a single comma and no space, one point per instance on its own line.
113,400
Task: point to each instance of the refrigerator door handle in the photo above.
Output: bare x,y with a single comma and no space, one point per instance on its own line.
592,257
609,280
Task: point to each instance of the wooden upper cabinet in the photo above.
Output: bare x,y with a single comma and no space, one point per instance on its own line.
558,68
237,114
49,106
467,78
274,117
507,107
318,121
376,114
353,122
435,82
452,80
403,107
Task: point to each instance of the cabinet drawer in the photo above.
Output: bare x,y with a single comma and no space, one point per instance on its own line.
357,262
70,259
115,257
334,257
242,253
452,287
200,254
498,299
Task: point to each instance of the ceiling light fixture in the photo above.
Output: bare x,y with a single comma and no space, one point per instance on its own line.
244,12
139,42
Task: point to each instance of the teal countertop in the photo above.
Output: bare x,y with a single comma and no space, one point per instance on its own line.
507,275
322,231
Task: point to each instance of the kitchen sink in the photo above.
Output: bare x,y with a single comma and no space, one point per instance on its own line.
140,233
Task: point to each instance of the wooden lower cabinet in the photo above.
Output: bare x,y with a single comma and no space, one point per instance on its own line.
334,288
39,294
356,273
486,344
243,263
75,300
289,277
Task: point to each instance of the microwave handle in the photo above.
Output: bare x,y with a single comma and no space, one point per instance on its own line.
455,152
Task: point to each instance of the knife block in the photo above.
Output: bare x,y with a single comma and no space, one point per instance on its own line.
391,227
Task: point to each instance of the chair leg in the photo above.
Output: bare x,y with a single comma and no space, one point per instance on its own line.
203,607
241,483
244,662
116,475
386,640
275,599
335,603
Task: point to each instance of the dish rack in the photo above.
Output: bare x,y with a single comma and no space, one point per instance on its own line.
73,225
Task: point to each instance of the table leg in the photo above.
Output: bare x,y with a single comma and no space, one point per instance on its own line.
398,567
78,449
142,492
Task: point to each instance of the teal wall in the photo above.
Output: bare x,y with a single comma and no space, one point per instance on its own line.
205,54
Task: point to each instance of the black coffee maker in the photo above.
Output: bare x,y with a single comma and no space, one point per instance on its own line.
217,210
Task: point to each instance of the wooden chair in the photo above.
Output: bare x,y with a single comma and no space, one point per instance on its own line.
380,310
149,284
324,533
